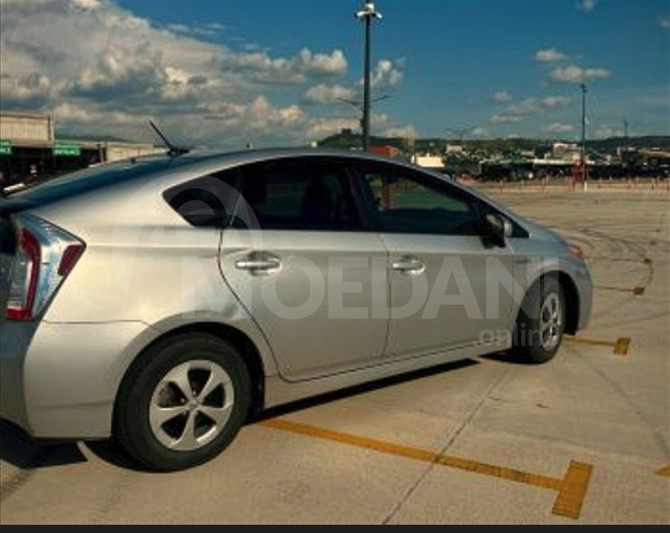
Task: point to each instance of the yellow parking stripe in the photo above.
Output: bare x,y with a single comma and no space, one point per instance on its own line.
620,346
571,489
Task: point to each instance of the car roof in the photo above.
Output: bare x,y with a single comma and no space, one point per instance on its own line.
170,170
252,155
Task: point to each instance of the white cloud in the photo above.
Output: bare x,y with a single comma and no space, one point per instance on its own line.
31,90
480,132
209,29
87,4
327,94
333,64
381,120
505,119
555,102
403,132
256,116
550,55
502,97
260,67
603,131
318,128
386,74
531,106
70,113
586,5
105,70
558,127
575,74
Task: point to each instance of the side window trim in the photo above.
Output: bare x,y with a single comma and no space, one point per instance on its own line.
368,223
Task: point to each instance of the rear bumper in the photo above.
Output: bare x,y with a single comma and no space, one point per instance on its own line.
59,380
15,339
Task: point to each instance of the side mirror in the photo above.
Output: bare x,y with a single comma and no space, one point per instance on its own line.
500,228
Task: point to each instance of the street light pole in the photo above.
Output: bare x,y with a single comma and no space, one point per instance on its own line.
583,87
366,15
360,106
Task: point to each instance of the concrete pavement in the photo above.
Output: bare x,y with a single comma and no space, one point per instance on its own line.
502,435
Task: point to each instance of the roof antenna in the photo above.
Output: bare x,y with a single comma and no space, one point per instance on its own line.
173,151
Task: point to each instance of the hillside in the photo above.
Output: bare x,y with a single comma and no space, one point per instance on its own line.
350,140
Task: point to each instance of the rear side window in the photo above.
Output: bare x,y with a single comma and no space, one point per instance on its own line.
299,194
207,201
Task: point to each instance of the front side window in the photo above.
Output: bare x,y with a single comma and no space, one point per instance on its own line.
404,202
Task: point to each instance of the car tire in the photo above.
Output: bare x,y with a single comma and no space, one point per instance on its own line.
541,322
182,402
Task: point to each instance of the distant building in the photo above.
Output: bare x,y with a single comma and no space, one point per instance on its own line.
454,149
428,161
388,151
565,152
656,157
26,129
29,148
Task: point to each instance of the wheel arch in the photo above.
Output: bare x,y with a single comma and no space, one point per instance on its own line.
572,303
250,355
570,295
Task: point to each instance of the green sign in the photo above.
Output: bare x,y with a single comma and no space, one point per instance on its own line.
5,147
62,148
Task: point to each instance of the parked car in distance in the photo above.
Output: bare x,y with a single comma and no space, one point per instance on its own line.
161,300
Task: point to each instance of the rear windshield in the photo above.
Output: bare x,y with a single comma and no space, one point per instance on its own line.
90,178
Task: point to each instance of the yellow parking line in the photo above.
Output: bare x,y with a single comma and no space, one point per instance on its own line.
620,346
665,471
571,489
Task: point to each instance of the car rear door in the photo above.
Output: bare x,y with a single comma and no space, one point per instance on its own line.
299,257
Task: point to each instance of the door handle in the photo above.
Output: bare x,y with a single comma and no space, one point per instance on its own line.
259,263
408,265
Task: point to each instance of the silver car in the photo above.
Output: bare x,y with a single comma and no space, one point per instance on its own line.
161,300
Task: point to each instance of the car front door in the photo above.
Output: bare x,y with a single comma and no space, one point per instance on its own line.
450,284
300,259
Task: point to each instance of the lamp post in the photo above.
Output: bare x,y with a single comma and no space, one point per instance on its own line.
361,107
583,154
366,15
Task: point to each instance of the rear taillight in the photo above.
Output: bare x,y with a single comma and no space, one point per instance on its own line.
45,255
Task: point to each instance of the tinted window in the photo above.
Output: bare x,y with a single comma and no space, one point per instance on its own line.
207,201
405,202
300,194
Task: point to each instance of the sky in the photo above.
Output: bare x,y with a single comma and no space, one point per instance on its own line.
275,72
